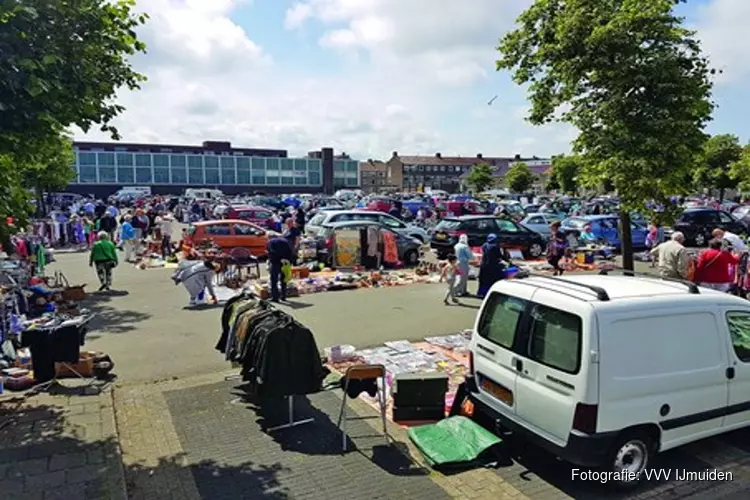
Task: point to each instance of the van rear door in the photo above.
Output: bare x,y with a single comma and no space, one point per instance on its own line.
493,346
552,370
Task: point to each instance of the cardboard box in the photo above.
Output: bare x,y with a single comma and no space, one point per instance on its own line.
85,367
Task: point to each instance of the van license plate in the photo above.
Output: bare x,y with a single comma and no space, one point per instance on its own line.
440,236
498,391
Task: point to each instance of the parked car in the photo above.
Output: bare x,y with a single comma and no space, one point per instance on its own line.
697,224
742,214
257,215
458,208
228,234
539,222
408,247
331,216
607,371
606,229
478,227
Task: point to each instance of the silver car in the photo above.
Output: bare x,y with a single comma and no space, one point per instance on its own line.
328,217
539,222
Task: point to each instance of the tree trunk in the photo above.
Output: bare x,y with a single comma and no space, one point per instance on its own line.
721,194
626,240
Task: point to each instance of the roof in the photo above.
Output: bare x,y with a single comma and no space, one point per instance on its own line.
472,217
248,207
452,160
373,166
225,221
502,167
641,291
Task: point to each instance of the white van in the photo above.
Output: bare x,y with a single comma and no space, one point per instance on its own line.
203,194
133,192
606,371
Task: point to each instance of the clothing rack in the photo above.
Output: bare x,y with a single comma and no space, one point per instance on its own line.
292,422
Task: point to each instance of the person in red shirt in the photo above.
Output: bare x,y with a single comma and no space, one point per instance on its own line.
714,266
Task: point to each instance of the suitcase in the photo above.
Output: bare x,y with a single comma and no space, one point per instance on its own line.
420,389
414,413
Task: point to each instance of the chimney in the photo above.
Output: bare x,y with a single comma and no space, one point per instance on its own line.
395,154
517,157
479,156
438,155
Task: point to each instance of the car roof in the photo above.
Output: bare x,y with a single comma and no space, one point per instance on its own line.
249,207
224,221
348,211
354,223
463,218
623,291
540,214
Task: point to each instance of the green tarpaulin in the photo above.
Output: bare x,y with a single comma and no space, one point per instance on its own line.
453,441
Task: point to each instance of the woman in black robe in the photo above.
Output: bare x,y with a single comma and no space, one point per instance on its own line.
492,267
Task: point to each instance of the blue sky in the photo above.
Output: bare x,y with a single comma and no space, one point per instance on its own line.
368,76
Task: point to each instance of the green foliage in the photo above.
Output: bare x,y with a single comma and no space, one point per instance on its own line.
552,184
480,177
713,169
61,63
519,178
565,170
629,77
740,170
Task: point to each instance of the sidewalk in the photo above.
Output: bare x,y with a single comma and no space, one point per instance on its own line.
60,445
199,438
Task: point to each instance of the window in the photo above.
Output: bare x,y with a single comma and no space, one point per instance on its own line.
143,160
211,161
300,181
195,161
125,175
227,176
195,176
243,164
287,164
353,166
314,166
352,181
300,165
506,226
287,181
87,159
107,175
739,331
499,322
271,164
391,222
218,230
317,220
536,220
227,162
161,175
259,180
272,180
161,160
178,176
244,230
88,175
243,176
143,175
313,178
725,218
442,168
338,166
448,225
212,175
420,168
178,160
555,338
263,215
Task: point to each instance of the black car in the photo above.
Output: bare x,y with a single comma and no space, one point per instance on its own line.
478,227
697,224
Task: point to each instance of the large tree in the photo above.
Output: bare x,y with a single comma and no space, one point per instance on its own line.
61,64
519,178
740,170
630,77
565,170
480,177
712,170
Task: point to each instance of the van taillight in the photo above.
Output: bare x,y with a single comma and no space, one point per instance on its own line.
329,242
471,363
584,419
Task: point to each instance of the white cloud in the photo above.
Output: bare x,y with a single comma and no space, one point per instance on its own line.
418,79
722,26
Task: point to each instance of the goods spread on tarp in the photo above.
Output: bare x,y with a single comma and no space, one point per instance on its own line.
454,441
447,354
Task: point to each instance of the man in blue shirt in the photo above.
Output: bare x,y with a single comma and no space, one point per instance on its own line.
279,252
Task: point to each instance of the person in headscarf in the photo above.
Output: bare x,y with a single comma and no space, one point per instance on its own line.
491,269
464,256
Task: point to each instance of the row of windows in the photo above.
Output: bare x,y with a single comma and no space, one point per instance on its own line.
437,168
90,159
347,166
195,176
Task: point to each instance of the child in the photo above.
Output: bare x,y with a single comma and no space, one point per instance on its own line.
450,273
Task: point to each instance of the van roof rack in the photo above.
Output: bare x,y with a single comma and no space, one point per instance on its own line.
692,287
601,293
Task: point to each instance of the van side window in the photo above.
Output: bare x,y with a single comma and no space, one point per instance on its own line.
555,338
500,319
739,330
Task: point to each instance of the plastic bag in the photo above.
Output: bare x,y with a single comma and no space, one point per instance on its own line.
286,272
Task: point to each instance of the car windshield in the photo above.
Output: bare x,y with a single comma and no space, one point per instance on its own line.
577,223
448,225
317,220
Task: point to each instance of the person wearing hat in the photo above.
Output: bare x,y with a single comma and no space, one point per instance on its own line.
491,268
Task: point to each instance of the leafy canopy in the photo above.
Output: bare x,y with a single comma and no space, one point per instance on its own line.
480,177
740,169
629,76
519,178
565,171
713,170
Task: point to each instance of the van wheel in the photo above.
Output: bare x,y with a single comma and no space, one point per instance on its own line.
630,456
700,240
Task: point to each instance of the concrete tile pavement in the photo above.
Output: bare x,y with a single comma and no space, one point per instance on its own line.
59,445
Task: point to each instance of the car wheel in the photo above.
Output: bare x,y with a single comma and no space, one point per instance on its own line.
630,456
700,240
411,258
536,250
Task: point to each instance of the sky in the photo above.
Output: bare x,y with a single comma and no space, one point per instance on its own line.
368,77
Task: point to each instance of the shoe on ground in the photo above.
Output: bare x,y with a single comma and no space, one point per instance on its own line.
455,301
102,288
446,303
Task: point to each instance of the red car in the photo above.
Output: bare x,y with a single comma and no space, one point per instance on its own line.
460,208
257,215
379,205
